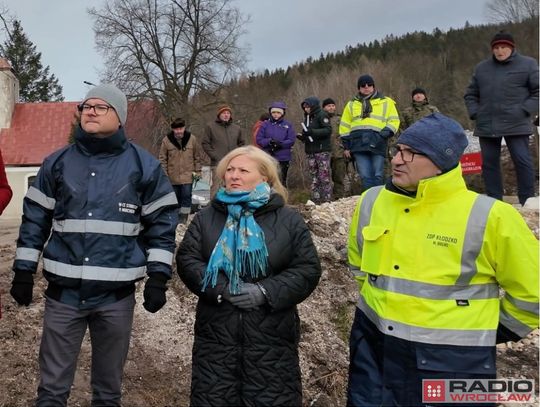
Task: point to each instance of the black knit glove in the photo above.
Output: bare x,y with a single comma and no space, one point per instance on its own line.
22,286
154,292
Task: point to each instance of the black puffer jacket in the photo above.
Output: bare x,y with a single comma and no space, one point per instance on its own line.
245,358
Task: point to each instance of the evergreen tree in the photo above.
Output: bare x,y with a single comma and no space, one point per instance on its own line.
35,82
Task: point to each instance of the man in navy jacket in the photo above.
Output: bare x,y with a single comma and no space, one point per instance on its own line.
102,213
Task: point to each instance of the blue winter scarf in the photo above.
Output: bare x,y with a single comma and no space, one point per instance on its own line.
241,248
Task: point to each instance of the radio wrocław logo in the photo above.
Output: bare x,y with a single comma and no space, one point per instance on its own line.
477,391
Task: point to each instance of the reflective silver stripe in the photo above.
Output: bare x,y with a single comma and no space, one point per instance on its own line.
166,200
97,226
366,207
365,127
474,237
39,197
513,324
93,272
434,291
389,125
343,124
381,118
460,337
185,210
25,253
356,271
163,256
528,306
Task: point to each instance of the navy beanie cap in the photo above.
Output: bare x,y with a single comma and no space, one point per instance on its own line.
439,137
365,80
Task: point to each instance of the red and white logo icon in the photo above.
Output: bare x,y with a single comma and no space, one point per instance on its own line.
434,390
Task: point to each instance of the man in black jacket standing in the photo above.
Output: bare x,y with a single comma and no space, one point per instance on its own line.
103,213
502,98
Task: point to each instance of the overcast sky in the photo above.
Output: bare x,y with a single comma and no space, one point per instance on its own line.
281,32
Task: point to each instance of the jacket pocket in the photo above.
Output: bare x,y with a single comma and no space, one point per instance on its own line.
376,250
464,360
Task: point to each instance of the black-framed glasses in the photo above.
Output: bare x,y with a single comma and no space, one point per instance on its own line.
99,110
407,155
366,85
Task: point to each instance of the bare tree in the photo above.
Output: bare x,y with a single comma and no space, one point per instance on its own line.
504,11
169,49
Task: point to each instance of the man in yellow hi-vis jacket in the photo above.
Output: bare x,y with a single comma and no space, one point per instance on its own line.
429,257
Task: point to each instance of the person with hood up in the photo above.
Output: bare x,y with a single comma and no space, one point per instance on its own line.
181,159
367,122
250,259
276,136
420,107
221,136
317,138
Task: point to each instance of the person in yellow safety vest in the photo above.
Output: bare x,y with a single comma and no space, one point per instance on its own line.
367,122
430,257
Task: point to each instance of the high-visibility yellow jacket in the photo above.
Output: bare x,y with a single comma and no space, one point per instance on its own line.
429,267
371,133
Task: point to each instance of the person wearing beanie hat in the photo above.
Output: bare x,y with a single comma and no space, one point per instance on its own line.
365,80
328,101
317,138
92,204
112,96
419,107
430,258
503,38
276,136
502,99
220,136
367,122
222,109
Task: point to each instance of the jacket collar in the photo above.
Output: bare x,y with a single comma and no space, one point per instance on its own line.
91,145
435,189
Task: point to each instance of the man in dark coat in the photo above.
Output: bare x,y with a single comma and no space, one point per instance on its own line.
502,98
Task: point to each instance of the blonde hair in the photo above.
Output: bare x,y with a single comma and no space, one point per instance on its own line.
266,164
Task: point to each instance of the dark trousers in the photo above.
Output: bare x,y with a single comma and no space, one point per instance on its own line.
518,146
64,328
183,195
339,171
284,169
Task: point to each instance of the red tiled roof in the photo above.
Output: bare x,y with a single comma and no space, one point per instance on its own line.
38,129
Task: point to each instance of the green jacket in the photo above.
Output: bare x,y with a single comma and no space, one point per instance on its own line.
415,112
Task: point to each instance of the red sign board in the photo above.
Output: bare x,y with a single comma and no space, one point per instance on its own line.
471,163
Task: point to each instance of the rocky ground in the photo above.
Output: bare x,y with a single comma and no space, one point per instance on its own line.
157,372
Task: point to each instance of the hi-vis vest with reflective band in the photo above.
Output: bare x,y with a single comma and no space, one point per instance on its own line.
429,268
383,114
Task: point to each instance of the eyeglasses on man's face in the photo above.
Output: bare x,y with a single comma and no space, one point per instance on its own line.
99,110
407,155
366,85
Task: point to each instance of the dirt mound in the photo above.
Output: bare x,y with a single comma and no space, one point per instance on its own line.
158,369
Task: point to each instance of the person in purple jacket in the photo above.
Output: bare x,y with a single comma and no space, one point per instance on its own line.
276,136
